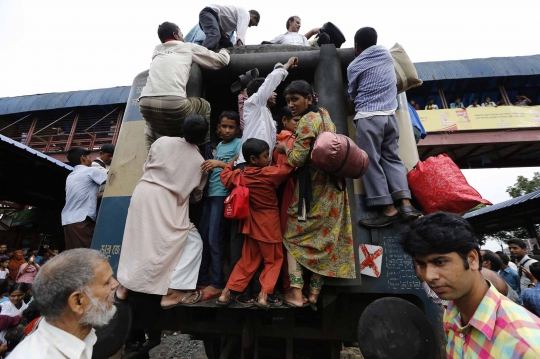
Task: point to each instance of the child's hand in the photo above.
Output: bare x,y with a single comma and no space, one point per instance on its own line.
209,165
281,147
3,348
235,158
292,63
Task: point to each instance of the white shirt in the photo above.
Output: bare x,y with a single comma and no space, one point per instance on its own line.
233,18
100,167
490,104
258,121
291,38
433,107
513,266
10,310
81,194
50,342
524,281
171,65
4,273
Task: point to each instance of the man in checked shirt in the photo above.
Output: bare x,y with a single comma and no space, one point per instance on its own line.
479,322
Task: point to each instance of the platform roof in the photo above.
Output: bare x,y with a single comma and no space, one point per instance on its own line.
476,68
55,100
30,177
507,215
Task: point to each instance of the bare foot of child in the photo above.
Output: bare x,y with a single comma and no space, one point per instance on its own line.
122,292
262,299
312,297
294,296
224,297
212,290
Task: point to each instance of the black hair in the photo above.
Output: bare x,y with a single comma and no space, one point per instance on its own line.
284,112
494,259
291,19
256,13
365,37
299,87
9,250
440,233
253,86
108,148
254,147
503,257
231,115
534,268
74,155
23,287
31,312
517,242
195,129
4,259
167,30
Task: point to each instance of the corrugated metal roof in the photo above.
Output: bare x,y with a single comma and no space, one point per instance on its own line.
34,152
505,204
490,67
50,101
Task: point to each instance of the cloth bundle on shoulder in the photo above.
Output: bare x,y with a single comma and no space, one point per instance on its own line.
338,155
406,74
237,203
439,186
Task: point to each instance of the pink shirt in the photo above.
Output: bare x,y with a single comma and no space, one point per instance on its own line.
29,275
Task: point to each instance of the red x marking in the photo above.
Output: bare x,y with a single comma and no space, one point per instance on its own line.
370,259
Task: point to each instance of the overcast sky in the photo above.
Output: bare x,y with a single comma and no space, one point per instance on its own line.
56,46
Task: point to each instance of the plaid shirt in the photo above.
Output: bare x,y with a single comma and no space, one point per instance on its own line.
499,329
531,299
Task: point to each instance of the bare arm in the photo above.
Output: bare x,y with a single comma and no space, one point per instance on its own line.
312,32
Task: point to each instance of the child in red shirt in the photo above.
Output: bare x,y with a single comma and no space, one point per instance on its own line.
262,226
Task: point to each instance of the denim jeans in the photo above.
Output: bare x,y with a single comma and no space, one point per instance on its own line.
211,230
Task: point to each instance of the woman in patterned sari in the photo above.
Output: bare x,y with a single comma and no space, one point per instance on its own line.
318,236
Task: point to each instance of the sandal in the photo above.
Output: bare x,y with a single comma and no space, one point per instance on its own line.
226,303
208,295
186,297
245,300
292,305
274,300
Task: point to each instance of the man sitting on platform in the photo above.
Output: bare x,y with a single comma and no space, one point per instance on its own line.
292,36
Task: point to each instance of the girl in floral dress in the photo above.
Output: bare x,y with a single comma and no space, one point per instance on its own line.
318,234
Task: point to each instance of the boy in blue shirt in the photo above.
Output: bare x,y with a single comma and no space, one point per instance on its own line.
212,222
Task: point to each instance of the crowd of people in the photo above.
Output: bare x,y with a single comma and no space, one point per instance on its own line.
298,228
521,100
299,223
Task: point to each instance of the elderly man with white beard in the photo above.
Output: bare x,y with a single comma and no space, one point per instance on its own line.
74,292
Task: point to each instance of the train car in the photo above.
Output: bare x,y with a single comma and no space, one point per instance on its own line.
390,316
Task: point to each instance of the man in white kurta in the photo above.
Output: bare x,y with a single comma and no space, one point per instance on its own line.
293,36
161,248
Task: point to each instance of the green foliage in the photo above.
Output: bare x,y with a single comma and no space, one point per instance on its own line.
524,186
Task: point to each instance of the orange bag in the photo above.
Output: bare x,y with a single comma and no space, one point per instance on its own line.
439,186
237,203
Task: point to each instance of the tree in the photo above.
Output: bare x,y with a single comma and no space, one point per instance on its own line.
522,187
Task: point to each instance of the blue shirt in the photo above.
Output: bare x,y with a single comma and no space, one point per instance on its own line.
224,153
81,194
372,80
511,277
415,119
531,299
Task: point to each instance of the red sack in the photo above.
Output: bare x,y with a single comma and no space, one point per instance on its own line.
237,203
439,186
